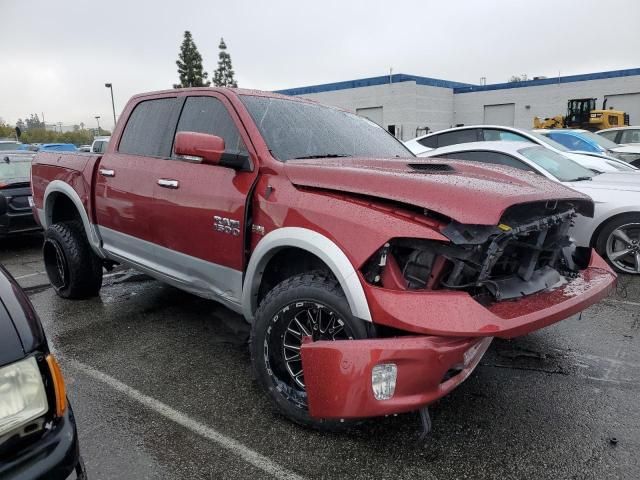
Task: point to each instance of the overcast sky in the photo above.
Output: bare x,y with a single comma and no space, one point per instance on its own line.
57,55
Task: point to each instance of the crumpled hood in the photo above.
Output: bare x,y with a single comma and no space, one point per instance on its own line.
469,193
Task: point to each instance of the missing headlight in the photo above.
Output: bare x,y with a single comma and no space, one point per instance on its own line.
516,258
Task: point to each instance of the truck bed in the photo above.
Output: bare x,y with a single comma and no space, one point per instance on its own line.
73,168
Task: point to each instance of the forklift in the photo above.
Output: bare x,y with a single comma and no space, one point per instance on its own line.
582,113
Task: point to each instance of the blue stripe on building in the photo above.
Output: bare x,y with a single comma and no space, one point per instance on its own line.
457,87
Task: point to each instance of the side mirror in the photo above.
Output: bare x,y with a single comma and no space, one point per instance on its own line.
209,148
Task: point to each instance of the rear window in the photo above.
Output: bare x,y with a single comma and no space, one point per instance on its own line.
556,164
494,135
486,156
150,128
457,137
14,170
429,142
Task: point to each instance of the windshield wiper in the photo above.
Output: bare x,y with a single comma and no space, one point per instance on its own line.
579,179
326,155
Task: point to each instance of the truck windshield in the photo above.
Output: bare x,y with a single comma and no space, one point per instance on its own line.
294,129
556,164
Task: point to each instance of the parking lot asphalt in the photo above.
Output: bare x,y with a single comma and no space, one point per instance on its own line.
161,385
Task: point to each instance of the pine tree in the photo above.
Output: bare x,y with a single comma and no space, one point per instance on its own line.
223,76
189,65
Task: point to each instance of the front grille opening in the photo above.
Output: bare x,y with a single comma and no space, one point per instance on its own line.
491,263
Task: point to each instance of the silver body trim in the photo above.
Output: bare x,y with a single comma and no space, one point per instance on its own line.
58,187
194,275
315,243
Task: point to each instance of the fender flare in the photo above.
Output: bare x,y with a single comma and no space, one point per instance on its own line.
314,243
46,215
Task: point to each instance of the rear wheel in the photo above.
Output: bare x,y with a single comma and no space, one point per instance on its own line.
619,243
310,304
73,269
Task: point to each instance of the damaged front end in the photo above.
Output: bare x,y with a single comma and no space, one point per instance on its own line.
437,305
529,251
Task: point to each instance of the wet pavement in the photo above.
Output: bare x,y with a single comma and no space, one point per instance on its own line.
161,385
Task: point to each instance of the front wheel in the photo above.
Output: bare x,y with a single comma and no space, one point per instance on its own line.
619,243
309,304
73,269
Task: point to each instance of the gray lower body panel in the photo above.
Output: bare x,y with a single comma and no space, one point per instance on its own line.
194,275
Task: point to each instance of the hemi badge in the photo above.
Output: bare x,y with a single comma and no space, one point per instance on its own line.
259,229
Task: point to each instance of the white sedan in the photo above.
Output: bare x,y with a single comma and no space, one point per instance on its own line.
597,162
614,230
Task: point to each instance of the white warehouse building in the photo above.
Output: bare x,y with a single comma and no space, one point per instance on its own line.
406,105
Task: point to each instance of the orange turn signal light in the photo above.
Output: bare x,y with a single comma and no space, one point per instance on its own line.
58,386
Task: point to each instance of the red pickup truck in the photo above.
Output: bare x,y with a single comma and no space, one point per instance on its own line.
374,281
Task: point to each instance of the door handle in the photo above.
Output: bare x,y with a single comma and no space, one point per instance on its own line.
166,183
105,172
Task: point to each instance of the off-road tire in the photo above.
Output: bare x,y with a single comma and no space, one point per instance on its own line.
73,269
314,286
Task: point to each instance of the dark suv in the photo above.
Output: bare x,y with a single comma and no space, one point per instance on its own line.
38,437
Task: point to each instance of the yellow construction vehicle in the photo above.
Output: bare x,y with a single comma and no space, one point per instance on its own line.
582,113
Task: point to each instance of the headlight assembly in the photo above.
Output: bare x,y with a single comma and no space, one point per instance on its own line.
22,394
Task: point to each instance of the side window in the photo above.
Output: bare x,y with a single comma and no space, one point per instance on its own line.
429,142
611,135
630,136
458,136
99,146
571,142
149,130
209,115
494,158
491,135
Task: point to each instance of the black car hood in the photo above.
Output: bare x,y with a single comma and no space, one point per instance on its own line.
10,344
20,330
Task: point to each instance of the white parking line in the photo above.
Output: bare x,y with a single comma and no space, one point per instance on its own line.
623,302
247,454
28,275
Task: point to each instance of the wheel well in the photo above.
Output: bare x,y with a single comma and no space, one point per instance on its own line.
286,263
596,232
62,209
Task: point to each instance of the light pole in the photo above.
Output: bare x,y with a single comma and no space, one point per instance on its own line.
113,105
97,117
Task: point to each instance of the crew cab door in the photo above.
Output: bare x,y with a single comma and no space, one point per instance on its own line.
199,216
126,180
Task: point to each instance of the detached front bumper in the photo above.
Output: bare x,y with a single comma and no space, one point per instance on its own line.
338,374
456,330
